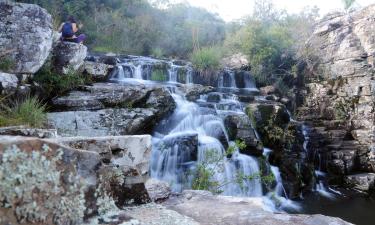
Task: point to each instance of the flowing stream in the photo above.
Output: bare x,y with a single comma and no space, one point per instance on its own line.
194,135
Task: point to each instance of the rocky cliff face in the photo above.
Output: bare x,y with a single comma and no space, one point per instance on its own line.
339,94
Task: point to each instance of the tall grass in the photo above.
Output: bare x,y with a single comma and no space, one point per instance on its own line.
206,58
29,112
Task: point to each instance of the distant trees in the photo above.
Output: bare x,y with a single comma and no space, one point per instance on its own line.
139,27
273,41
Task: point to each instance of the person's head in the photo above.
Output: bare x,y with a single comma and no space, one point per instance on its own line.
71,19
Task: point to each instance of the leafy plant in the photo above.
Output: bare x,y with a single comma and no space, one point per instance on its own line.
206,58
30,112
57,84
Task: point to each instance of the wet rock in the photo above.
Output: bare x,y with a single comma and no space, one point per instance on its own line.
97,71
28,132
362,182
25,36
186,145
158,190
239,128
214,97
8,83
270,120
68,57
194,91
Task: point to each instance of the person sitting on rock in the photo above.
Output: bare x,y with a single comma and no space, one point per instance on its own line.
68,31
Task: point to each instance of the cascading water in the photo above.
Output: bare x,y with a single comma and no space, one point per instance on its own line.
195,132
174,157
320,185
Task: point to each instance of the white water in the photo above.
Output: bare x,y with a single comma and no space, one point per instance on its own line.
177,168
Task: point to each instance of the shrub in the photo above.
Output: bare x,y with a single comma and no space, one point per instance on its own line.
30,112
157,53
206,58
56,84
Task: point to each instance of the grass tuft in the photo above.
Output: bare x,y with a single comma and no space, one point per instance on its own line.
30,112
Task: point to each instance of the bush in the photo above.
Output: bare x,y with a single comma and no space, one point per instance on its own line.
55,84
30,112
206,58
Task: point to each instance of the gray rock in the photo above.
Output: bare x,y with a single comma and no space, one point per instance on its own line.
107,122
98,71
25,36
8,83
362,182
158,190
194,91
206,208
28,132
68,56
239,128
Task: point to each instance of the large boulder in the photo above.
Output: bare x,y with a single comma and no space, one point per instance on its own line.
43,182
236,61
68,57
158,190
8,83
127,157
25,36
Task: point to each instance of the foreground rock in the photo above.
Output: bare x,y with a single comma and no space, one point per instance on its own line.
25,36
68,57
339,94
203,208
61,181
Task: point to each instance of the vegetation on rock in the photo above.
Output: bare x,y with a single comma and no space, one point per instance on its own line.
29,111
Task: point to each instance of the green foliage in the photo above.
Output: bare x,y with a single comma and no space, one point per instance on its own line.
157,53
55,84
206,58
271,39
204,173
6,63
138,27
348,3
31,186
30,112
158,75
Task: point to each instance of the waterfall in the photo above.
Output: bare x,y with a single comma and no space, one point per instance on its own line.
192,136
249,81
138,72
320,186
173,72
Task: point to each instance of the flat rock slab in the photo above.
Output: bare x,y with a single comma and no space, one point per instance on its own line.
208,209
28,132
203,208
